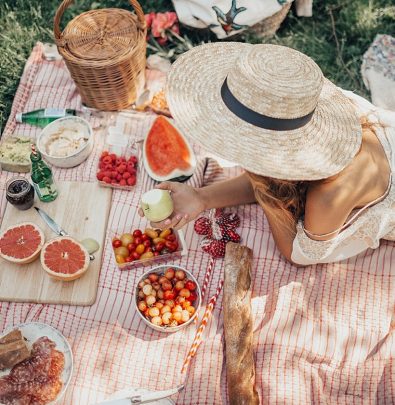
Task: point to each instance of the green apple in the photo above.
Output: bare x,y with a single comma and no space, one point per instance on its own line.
157,205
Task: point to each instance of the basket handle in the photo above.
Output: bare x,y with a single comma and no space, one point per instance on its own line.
66,3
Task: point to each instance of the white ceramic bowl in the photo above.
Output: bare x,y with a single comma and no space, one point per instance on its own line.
70,122
161,270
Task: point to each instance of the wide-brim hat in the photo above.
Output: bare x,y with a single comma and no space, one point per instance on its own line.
266,107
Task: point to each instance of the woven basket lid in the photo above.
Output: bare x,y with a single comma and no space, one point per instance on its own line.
101,34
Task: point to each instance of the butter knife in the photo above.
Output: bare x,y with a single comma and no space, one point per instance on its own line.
54,226
144,398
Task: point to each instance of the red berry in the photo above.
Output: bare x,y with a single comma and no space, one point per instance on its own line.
126,175
131,169
119,177
121,169
104,154
113,157
107,179
107,160
100,176
122,182
114,174
202,226
131,181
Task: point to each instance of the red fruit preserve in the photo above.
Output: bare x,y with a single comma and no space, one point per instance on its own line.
20,193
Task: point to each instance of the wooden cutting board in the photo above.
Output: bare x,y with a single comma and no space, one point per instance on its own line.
82,210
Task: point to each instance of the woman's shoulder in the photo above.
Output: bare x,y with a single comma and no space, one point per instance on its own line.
328,206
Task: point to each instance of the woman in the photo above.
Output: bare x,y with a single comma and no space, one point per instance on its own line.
321,170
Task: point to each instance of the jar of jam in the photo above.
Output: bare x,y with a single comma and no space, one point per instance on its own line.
20,193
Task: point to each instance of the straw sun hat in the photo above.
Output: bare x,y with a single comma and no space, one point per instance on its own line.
266,107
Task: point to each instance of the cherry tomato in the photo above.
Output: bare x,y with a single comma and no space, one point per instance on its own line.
190,285
156,253
147,243
171,237
131,247
145,237
135,255
167,286
159,246
140,249
138,240
169,295
148,249
116,243
129,259
192,297
172,246
137,233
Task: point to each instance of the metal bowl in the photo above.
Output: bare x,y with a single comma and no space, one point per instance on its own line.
75,158
160,270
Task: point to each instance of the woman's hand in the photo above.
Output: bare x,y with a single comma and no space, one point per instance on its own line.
188,204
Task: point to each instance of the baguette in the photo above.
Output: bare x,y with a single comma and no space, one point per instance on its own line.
238,325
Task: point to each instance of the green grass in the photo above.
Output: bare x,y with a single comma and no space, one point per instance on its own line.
336,37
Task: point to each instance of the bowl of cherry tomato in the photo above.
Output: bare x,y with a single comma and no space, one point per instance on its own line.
167,298
143,247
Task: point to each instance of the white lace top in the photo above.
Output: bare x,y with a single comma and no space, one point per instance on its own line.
374,223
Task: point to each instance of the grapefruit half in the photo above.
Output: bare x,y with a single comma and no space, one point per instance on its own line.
64,258
21,243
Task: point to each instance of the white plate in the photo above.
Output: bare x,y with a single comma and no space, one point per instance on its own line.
33,331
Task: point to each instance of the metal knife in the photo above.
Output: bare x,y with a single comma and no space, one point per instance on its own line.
54,226
143,398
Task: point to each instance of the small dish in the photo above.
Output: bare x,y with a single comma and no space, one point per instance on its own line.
68,133
160,270
35,330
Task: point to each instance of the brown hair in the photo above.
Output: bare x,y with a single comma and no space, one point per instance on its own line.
288,198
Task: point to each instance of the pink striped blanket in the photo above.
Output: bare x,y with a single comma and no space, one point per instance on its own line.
324,334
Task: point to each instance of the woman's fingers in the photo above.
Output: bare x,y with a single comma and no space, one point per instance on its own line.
183,221
168,223
166,185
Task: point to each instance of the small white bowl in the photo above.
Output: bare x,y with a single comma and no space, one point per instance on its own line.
161,270
75,158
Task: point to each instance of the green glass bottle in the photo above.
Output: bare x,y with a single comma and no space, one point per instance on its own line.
42,178
44,116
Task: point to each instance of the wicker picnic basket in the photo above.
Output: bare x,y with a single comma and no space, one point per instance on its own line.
105,52
269,26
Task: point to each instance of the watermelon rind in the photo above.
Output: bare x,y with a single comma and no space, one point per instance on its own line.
34,255
65,276
177,174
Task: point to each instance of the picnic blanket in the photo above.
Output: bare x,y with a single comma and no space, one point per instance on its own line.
324,334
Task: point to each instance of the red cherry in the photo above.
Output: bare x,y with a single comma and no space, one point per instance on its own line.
116,243
169,295
192,297
190,285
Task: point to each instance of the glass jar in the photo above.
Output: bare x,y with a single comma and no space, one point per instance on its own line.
20,193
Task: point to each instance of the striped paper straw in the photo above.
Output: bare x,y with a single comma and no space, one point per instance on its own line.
198,337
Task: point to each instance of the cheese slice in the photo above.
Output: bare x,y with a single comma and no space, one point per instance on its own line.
15,154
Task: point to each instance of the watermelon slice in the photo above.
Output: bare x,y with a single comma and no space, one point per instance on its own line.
167,153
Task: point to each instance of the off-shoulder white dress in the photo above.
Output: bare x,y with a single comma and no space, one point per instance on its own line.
369,224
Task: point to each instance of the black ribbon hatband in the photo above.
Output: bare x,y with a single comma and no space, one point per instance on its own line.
260,120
